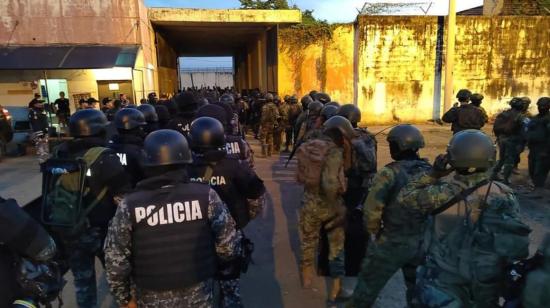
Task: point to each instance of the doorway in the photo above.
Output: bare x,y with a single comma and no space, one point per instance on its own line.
113,88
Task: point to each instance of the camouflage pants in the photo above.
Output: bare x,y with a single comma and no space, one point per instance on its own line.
199,296
266,135
277,139
313,215
440,289
539,165
380,264
509,152
81,257
231,293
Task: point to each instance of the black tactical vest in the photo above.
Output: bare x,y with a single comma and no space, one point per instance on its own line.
396,218
228,181
129,151
174,248
235,147
181,124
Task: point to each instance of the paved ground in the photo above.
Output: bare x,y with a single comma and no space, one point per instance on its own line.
273,279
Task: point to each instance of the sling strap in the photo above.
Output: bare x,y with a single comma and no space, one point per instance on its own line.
461,196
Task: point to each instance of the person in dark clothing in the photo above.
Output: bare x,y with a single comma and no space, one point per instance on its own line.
151,117
108,108
63,109
464,115
37,114
106,180
163,115
128,143
187,107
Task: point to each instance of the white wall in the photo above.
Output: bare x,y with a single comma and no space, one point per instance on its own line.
205,79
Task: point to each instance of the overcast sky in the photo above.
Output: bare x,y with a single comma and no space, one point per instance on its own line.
330,10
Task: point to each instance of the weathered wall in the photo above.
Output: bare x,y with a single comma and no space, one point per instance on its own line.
320,59
516,7
206,79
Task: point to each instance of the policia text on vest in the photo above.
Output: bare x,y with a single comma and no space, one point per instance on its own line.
170,213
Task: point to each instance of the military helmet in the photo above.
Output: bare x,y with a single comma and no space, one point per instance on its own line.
315,108
213,111
476,98
87,122
186,102
269,97
526,100
305,101
293,99
201,102
463,94
329,111
312,94
166,147
149,113
350,112
406,137
287,98
544,102
322,97
227,99
516,103
471,148
336,104
207,134
129,118
341,124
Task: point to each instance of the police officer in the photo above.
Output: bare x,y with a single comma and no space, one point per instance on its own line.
236,147
151,118
128,143
538,140
21,236
476,228
268,123
237,185
187,107
322,203
464,115
163,114
294,111
232,128
509,130
105,180
394,234
322,97
188,219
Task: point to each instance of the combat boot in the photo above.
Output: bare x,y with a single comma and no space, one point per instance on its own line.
336,286
307,276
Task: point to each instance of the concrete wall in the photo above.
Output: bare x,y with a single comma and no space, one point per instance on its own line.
207,79
516,7
394,58
312,59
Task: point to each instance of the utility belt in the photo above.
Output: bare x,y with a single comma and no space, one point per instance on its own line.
232,270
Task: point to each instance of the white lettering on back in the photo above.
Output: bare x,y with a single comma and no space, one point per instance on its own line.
122,158
177,212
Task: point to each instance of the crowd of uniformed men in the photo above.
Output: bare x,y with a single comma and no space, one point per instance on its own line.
167,239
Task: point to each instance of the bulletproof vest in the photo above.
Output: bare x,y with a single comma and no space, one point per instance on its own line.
180,124
235,147
364,159
19,231
227,177
396,218
129,151
470,117
174,248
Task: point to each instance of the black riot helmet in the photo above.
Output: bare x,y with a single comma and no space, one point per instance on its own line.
405,137
463,95
340,124
213,111
293,99
544,103
162,113
350,112
314,109
166,147
306,100
333,104
87,122
129,118
329,111
187,105
516,103
471,149
312,94
322,97
476,99
227,99
149,112
207,134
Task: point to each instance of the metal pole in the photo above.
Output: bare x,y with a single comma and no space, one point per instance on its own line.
48,98
450,55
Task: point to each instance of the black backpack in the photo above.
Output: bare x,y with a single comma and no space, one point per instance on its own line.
506,123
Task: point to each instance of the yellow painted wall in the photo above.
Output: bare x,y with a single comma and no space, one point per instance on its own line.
317,60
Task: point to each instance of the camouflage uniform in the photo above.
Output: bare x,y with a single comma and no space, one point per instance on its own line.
119,266
398,235
465,116
324,209
294,111
510,148
538,135
283,124
270,116
470,242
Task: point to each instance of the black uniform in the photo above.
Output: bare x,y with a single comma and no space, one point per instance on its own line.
181,123
128,148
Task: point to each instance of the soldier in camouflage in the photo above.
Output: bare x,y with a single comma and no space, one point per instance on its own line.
538,140
284,110
476,99
476,228
324,206
294,111
193,225
268,124
395,236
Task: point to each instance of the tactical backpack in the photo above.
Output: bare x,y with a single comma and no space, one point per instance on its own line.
506,123
470,117
66,198
311,159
